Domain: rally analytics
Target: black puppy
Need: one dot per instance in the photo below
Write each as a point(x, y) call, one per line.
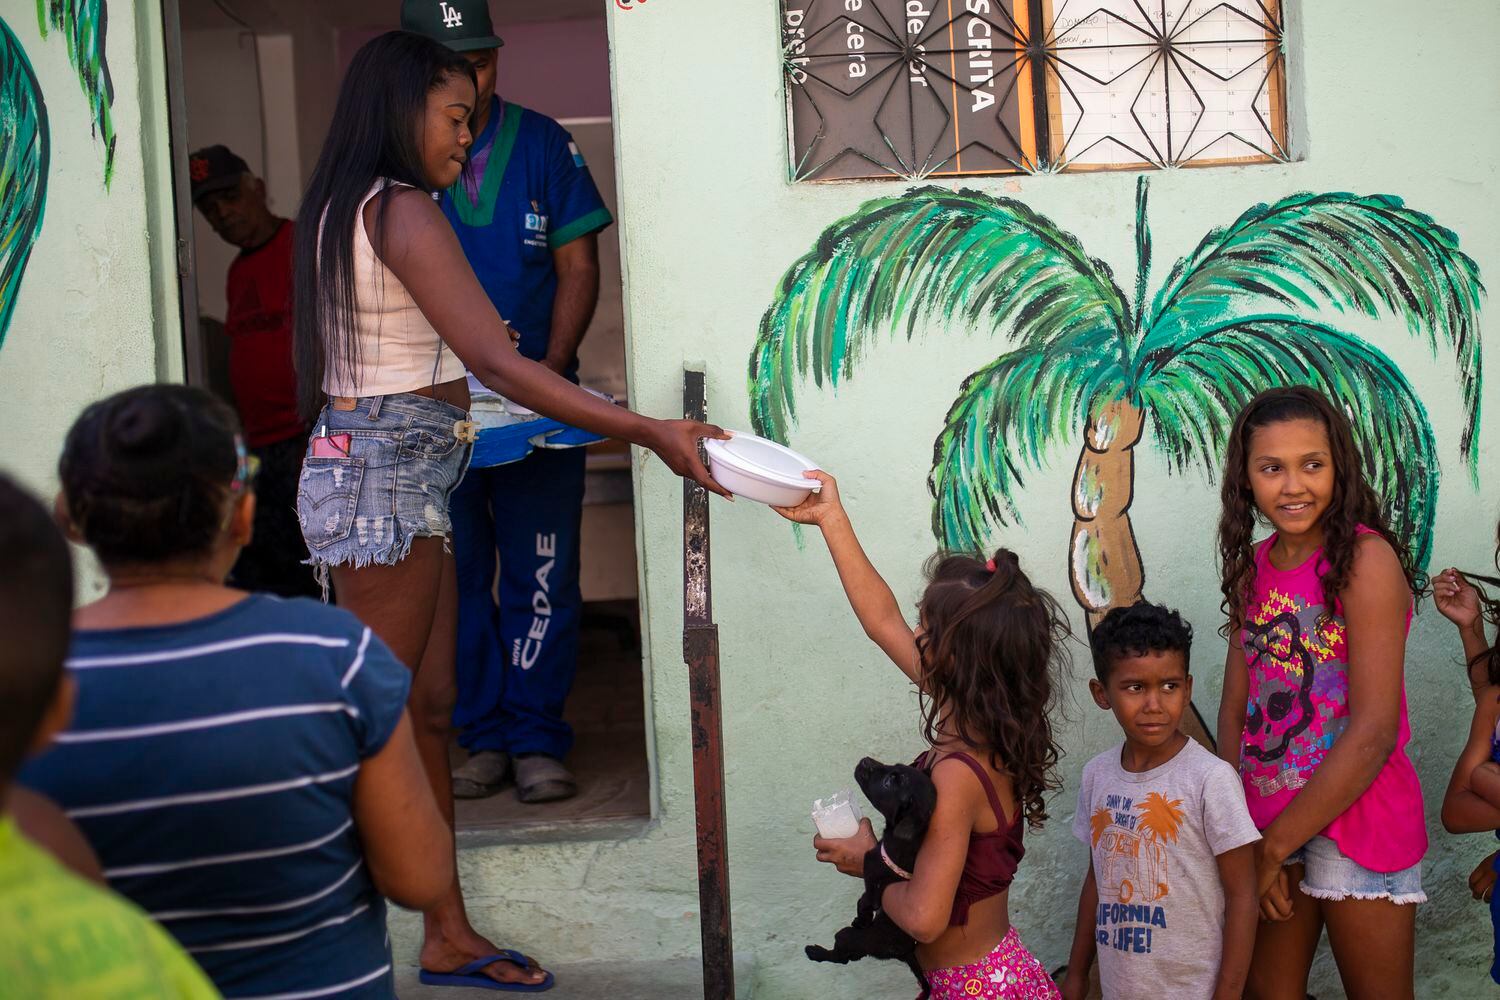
point(906, 797)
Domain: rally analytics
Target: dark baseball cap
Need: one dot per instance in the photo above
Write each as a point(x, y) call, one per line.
point(215, 168)
point(462, 25)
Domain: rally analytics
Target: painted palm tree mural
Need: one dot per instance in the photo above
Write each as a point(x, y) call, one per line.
point(24, 137)
point(1255, 304)
point(24, 158)
point(84, 25)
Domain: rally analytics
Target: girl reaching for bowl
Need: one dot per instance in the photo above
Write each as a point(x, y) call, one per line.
point(982, 656)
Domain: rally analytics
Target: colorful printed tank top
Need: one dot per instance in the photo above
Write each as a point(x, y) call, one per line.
point(1299, 707)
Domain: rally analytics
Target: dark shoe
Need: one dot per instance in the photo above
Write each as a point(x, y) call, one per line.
point(540, 778)
point(482, 775)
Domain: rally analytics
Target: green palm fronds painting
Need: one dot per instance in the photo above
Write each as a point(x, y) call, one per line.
point(23, 168)
point(83, 24)
point(1255, 304)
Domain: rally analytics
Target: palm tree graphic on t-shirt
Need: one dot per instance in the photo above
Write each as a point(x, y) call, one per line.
point(1099, 822)
point(1161, 817)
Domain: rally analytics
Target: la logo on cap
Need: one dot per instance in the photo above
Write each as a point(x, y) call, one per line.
point(451, 17)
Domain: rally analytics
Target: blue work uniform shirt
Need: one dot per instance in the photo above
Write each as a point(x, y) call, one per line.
point(532, 194)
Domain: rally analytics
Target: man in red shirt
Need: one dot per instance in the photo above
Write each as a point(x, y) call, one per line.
point(259, 328)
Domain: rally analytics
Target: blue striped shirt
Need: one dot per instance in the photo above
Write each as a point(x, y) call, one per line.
point(211, 764)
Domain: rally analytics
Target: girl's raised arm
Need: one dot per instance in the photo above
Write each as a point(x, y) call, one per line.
point(871, 597)
point(1458, 601)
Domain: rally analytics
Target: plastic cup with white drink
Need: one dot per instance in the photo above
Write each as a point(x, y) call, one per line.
point(836, 817)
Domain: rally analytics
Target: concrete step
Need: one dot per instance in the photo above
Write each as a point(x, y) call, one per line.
point(677, 979)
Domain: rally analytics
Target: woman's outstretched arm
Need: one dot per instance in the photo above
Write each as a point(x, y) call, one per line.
point(415, 240)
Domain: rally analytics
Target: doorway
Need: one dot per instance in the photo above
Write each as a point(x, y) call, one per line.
point(261, 77)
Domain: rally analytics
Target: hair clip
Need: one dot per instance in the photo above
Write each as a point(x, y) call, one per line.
point(247, 465)
point(990, 565)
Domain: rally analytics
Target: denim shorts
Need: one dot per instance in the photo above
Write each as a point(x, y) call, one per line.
point(1329, 873)
point(405, 459)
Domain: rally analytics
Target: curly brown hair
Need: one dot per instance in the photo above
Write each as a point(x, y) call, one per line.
point(1354, 502)
point(990, 643)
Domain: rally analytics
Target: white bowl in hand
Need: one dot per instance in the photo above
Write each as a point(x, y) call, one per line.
point(761, 470)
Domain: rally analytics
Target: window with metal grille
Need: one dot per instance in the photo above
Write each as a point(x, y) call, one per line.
point(942, 88)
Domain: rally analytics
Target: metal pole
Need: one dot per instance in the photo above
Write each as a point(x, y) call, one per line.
point(700, 648)
point(195, 367)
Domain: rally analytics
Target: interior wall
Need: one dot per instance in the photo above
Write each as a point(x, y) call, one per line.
point(560, 68)
point(225, 102)
point(601, 357)
point(310, 72)
point(314, 37)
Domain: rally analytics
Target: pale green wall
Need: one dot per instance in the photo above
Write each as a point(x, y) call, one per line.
point(97, 309)
point(710, 223)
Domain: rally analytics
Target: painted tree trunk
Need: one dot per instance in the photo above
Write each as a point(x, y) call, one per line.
point(1104, 561)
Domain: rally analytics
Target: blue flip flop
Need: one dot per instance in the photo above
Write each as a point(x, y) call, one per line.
point(469, 975)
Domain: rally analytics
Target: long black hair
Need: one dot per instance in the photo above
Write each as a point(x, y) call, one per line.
point(375, 133)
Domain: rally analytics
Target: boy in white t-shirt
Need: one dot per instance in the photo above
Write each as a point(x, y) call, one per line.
point(1169, 902)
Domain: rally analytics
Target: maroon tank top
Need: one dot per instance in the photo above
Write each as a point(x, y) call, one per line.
point(990, 866)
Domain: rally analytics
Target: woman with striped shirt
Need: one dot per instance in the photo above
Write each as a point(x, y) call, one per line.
point(243, 765)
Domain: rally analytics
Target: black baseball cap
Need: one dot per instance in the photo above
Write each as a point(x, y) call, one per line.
point(462, 25)
point(215, 168)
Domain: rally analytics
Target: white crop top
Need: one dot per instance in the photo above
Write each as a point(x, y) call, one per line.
point(398, 349)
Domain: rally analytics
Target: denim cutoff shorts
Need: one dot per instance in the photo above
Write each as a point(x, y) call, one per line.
point(1329, 873)
point(405, 459)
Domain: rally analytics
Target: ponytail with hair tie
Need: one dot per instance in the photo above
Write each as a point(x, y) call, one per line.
point(1004, 559)
point(145, 473)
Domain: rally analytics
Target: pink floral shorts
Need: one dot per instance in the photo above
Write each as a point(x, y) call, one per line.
point(1010, 972)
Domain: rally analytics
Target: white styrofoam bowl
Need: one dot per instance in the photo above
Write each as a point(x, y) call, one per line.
point(761, 470)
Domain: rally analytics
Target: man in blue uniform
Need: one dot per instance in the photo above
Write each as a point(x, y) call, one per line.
point(528, 216)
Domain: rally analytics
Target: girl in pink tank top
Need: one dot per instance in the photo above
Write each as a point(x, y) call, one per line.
point(1314, 704)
